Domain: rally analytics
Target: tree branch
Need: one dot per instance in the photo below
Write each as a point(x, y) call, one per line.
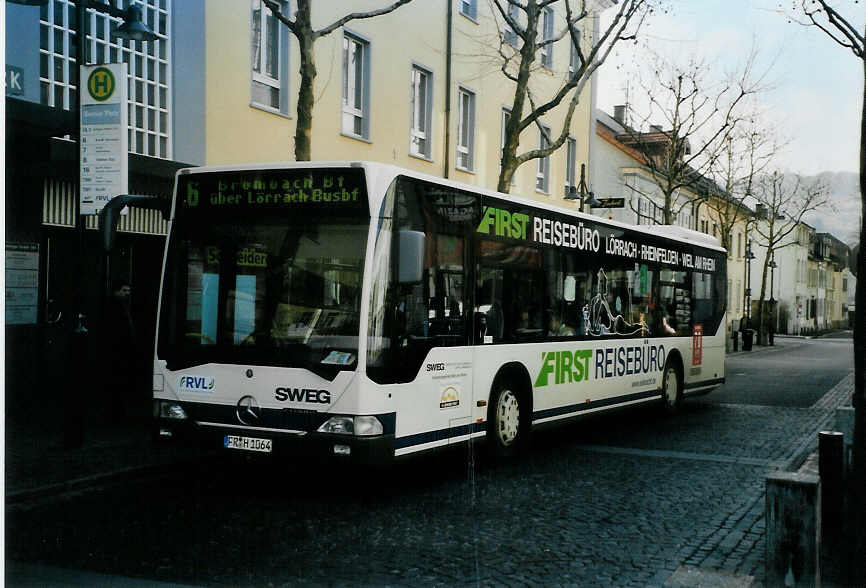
point(358, 16)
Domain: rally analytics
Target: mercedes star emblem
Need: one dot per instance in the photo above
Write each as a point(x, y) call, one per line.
point(248, 411)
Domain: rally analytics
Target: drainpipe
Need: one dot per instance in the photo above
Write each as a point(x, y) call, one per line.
point(448, 54)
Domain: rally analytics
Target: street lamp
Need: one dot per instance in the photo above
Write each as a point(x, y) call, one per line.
point(585, 195)
point(772, 265)
point(748, 297)
point(132, 29)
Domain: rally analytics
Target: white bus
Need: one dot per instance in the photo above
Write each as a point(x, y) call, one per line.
point(366, 312)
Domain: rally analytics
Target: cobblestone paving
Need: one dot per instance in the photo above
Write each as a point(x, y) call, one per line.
point(622, 501)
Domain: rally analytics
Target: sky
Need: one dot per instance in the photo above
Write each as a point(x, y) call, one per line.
point(817, 85)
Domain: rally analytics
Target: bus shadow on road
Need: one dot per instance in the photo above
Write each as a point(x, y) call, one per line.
point(268, 478)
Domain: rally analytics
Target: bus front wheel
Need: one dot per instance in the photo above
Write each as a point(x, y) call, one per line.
point(505, 426)
point(672, 389)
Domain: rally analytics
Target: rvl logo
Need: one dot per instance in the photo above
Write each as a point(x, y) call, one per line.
point(196, 383)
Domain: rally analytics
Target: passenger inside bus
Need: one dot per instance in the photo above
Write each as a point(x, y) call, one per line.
point(557, 327)
point(669, 323)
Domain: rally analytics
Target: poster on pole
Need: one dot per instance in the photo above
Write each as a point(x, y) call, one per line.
point(104, 145)
point(22, 283)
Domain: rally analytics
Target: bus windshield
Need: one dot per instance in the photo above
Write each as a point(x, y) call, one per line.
point(279, 286)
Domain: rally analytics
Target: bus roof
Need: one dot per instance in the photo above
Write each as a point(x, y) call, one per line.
point(387, 172)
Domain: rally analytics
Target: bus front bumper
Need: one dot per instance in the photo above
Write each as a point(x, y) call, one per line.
point(372, 450)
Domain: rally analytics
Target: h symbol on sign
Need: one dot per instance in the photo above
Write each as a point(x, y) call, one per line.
point(101, 83)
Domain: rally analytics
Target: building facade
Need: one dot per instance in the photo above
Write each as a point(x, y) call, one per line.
point(618, 172)
point(389, 89)
point(420, 88)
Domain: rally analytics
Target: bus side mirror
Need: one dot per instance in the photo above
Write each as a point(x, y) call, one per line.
point(109, 216)
point(411, 268)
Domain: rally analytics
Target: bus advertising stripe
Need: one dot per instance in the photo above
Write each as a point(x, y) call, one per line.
point(438, 435)
point(704, 383)
point(584, 406)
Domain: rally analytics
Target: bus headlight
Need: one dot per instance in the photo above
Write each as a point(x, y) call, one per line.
point(362, 426)
point(368, 425)
point(165, 409)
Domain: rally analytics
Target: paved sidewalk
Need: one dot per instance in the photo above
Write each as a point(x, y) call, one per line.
point(37, 464)
point(780, 342)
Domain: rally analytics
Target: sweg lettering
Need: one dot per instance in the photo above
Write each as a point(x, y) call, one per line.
point(302, 395)
point(435, 367)
point(564, 234)
point(614, 362)
point(505, 224)
point(566, 367)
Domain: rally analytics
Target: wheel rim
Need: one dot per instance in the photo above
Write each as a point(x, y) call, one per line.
point(507, 418)
point(672, 384)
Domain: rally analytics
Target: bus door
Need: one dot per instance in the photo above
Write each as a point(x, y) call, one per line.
point(436, 313)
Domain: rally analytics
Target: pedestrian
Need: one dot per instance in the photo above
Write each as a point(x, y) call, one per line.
point(120, 351)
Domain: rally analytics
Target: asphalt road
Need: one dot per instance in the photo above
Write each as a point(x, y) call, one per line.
point(796, 376)
point(626, 500)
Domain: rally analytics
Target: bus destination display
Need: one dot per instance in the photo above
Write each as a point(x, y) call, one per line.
point(261, 191)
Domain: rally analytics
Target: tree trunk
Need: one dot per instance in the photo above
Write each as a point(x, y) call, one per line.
point(304, 123)
point(509, 166)
point(512, 129)
point(669, 205)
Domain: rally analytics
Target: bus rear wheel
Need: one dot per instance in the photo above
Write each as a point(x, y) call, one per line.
point(505, 424)
point(672, 390)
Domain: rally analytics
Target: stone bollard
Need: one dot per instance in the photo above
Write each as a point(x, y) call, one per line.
point(830, 468)
point(845, 424)
point(793, 524)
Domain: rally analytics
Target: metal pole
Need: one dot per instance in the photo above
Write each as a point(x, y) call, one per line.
point(582, 185)
point(748, 284)
point(74, 399)
point(771, 322)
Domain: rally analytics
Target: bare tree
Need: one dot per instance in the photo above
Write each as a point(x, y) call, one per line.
point(743, 156)
point(521, 50)
point(302, 28)
point(839, 28)
point(697, 114)
point(783, 201)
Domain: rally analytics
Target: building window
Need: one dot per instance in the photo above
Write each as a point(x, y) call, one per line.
point(547, 35)
point(506, 116)
point(469, 8)
point(356, 94)
point(465, 129)
point(570, 164)
point(738, 307)
point(739, 245)
point(421, 107)
point(542, 176)
point(510, 35)
point(149, 72)
point(265, 57)
point(573, 62)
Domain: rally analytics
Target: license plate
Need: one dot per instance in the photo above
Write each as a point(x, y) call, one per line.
point(248, 443)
